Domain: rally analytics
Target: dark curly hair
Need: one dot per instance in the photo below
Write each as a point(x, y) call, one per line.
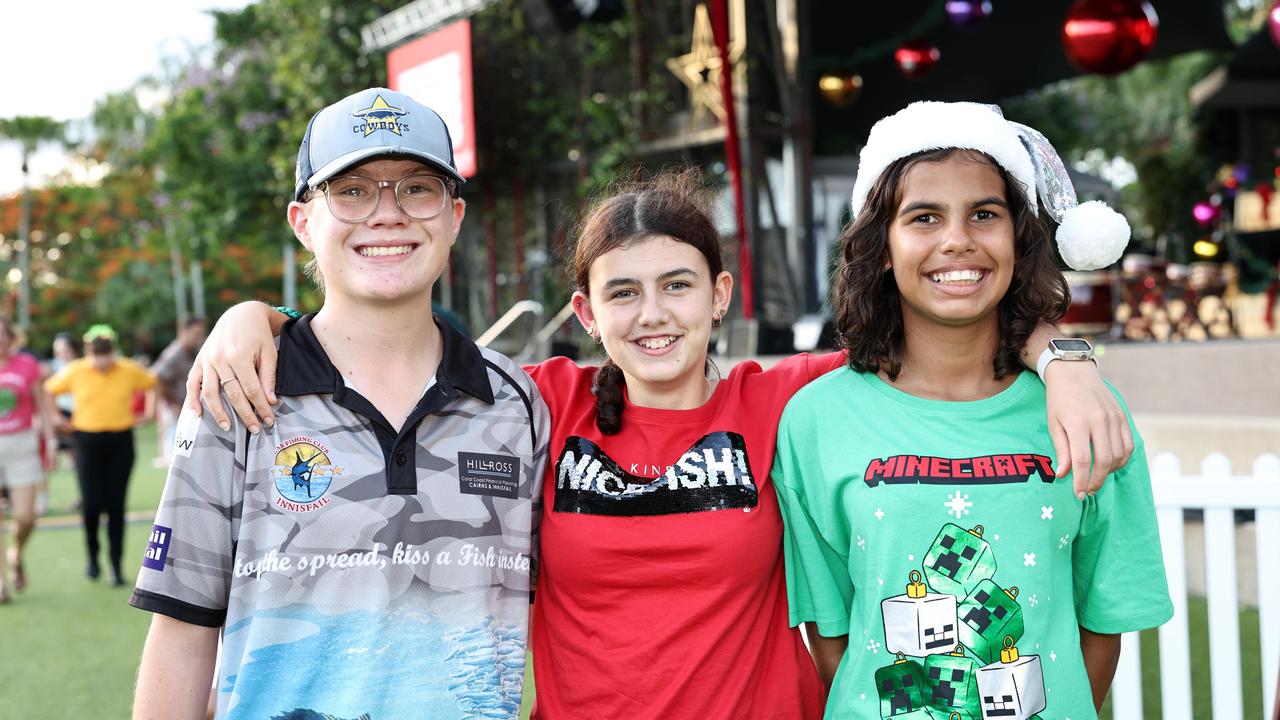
point(671, 204)
point(868, 307)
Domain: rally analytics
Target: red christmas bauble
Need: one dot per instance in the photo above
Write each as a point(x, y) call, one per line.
point(1273, 23)
point(916, 58)
point(1109, 36)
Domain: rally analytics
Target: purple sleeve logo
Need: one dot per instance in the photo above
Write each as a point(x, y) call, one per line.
point(157, 548)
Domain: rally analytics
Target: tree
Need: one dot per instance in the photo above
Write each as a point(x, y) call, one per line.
point(30, 132)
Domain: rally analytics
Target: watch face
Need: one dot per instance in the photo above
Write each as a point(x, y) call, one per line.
point(1071, 345)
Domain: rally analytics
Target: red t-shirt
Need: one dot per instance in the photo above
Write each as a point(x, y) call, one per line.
point(18, 378)
point(661, 592)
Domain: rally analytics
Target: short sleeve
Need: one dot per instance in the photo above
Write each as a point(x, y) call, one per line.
point(188, 563)
point(819, 589)
point(541, 456)
point(1118, 568)
point(143, 380)
point(60, 382)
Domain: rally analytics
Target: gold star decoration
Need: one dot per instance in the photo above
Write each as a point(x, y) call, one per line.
point(700, 69)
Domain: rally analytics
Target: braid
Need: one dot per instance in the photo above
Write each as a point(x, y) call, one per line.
point(607, 387)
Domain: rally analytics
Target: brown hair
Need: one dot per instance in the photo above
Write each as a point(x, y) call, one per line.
point(865, 294)
point(671, 204)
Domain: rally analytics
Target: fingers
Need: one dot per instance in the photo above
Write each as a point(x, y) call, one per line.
point(209, 386)
point(195, 379)
point(247, 396)
point(1104, 455)
point(1081, 459)
point(267, 376)
point(1061, 450)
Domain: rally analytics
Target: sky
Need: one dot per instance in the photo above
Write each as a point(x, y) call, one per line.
point(59, 56)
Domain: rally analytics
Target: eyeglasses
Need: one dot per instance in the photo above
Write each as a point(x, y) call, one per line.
point(355, 199)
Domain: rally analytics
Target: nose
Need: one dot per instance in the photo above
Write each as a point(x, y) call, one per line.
point(388, 211)
point(957, 239)
point(652, 309)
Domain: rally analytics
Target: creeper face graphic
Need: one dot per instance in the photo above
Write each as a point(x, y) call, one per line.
point(901, 687)
point(919, 623)
point(958, 560)
point(987, 616)
point(1012, 689)
point(951, 685)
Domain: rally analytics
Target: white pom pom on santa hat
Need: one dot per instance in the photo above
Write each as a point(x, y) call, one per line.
point(1092, 236)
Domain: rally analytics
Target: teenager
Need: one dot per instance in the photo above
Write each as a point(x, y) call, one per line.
point(945, 567)
point(371, 554)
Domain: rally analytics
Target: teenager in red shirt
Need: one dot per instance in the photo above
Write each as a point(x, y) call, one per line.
point(661, 591)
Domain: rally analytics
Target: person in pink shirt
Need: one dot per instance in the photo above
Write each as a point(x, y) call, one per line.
point(21, 468)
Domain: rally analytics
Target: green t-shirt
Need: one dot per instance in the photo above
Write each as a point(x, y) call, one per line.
point(935, 536)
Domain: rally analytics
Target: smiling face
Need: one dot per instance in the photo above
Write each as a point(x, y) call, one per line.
point(951, 245)
point(651, 303)
point(387, 257)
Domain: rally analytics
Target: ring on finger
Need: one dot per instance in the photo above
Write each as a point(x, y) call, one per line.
point(228, 380)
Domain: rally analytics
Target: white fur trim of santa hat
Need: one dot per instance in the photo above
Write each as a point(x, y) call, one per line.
point(929, 125)
point(1092, 236)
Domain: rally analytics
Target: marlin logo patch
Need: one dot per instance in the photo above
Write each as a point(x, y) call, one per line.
point(380, 116)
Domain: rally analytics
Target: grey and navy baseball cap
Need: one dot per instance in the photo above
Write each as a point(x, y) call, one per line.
point(372, 123)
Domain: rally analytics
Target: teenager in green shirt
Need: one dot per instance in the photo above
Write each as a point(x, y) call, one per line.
point(943, 569)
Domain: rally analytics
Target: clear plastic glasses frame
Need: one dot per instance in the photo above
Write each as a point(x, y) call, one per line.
point(353, 198)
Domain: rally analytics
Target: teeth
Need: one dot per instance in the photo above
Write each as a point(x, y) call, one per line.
point(392, 250)
point(656, 343)
point(961, 277)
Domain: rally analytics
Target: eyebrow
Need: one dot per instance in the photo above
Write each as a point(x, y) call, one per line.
point(623, 281)
point(927, 205)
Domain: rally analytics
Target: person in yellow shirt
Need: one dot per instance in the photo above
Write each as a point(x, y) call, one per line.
point(102, 386)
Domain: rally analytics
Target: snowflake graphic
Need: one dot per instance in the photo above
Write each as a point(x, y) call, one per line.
point(879, 514)
point(1053, 656)
point(1029, 559)
point(1062, 542)
point(862, 544)
point(959, 505)
point(873, 646)
point(880, 580)
point(1034, 600)
point(1046, 512)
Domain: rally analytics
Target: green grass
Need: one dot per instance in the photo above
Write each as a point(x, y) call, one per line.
point(69, 648)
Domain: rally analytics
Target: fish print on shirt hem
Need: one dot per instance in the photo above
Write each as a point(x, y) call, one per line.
point(714, 474)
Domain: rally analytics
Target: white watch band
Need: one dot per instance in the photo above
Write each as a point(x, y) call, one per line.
point(1047, 356)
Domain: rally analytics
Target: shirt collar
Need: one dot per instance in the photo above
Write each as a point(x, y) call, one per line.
point(303, 367)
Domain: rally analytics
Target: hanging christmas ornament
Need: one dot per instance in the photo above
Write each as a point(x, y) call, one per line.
point(916, 58)
point(967, 13)
point(1109, 36)
point(840, 89)
point(1205, 213)
point(1273, 23)
point(1240, 172)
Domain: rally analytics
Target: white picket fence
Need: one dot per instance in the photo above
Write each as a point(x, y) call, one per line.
point(1219, 494)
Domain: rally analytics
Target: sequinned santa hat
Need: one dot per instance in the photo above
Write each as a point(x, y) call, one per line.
point(1090, 235)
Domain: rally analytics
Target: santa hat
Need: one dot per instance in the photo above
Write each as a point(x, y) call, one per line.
point(1090, 235)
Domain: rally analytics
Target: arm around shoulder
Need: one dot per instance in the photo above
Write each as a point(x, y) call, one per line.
point(176, 671)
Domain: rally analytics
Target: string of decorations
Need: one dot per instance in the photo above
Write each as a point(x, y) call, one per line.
point(1098, 36)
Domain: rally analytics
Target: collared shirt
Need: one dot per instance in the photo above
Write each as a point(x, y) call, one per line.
point(103, 399)
point(358, 569)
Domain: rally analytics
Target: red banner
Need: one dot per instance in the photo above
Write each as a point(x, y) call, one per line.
point(436, 70)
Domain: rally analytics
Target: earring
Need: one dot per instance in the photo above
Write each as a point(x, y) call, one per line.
point(591, 329)
point(717, 319)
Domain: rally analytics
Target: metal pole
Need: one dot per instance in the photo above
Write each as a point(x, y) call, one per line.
point(179, 277)
point(24, 252)
point(197, 287)
point(797, 150)
point(733, 156)
point(290, 274)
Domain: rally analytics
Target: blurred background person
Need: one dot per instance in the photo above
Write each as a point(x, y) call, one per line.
point(65, 350)
point(103, 387)
point(21, 471)
point(171, 370)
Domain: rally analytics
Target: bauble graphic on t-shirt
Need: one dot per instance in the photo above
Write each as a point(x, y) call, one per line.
point(955, 631)
point(714, 474)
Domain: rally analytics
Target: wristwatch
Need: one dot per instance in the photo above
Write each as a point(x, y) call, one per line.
point(1073, 349)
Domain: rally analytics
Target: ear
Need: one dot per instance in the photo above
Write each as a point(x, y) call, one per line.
point(459, 212)
point(300, 221)
point(722, 292)
point(582, 308)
